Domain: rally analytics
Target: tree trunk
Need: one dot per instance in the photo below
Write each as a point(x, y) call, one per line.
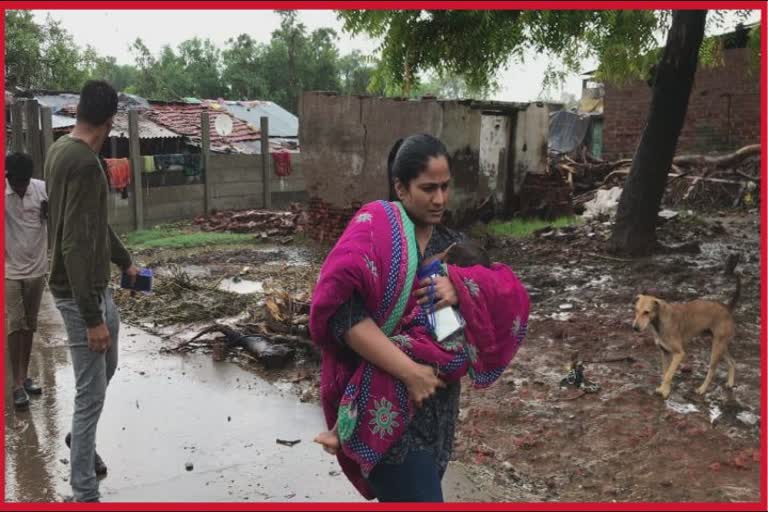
point(635, 230)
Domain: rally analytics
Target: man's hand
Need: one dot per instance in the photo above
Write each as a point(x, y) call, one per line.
point(98, 338)
point(132, 272)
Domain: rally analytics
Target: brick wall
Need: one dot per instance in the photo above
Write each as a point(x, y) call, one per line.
point(708, 125)
point(326, 223)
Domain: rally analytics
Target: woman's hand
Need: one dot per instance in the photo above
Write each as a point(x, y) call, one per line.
point(422, 382)
point(445, 293)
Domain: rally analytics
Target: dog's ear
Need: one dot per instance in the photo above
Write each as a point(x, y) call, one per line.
point(656, 304)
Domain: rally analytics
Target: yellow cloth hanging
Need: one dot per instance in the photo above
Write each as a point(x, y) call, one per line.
point(149, 163)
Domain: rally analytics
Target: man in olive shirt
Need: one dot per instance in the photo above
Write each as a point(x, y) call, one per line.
point(83, 244)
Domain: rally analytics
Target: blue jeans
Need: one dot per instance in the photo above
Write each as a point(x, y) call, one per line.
point(93, 371)
point(417, 479)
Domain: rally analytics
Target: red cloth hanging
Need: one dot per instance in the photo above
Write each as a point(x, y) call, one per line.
point(282, 162)
point(119, 170)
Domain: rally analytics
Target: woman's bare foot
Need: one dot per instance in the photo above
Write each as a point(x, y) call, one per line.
point(329, 441)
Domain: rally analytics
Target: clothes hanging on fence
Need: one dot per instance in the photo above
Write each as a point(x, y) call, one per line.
point(189, 163)
point(149, 163)
point(119, 170)
point(192, 164)
point(282, 163)
point(170, 162)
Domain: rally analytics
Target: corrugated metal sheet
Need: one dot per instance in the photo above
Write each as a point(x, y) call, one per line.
point(281, 122)
point(68, 101)
point(58, 101)
point(147, 129)
point(62, 122)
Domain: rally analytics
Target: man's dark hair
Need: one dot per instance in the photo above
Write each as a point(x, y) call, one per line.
point(467, 254)
point(98, 102)
point(19, 166)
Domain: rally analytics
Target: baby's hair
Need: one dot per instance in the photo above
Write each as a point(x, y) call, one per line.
point(467, 254)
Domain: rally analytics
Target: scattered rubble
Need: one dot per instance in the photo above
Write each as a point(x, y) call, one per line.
point(701, 181)
point(266, 223)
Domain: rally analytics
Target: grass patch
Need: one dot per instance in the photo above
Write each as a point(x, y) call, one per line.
point(519, 228)
point(177, 238)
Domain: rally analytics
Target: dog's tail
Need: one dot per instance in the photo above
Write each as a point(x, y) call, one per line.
point(736, 294)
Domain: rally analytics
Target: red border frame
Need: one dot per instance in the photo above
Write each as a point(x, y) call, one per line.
point(461, 4)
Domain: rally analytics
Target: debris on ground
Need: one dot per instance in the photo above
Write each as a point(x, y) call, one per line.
point(266, 223)
point(575, 378)
point(288, 443)
point(702, 181)
point(270, 352)
point(582, 301)
point(180, 298)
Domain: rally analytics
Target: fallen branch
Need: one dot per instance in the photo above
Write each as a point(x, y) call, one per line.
point(719, 161)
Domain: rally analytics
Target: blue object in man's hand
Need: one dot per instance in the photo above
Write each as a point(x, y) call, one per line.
point(143, 281)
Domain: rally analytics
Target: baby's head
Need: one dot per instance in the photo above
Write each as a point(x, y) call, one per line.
point(467, 254)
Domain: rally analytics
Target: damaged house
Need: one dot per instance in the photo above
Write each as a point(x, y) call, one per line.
point(498, 152)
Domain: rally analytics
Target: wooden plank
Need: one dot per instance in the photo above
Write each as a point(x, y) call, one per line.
point(205, 131)
point(46, 120)
point(266, 167)
point(17, 126)
point(134, 153)
point(34, 144)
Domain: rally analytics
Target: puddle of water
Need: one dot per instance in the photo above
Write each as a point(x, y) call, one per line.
point(241, 286)
point(175, 428)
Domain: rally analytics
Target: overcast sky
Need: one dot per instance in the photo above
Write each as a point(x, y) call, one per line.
point(112, 31)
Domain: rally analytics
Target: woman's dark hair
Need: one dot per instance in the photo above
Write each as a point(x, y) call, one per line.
point(19, 166)
point(409, 157)
point(98, 102)
point(467, 254)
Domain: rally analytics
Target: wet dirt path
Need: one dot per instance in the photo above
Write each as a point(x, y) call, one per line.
point(164, 411)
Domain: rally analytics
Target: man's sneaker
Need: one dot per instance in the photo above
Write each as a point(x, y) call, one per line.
point(32, 388)
point(20, 398)
point(99, 466)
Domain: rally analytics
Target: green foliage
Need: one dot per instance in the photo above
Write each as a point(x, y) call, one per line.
point(296, 59)
point(178, 238)
point(519, 228)
point(474, 45)
point(755, 46)
point(43, 56)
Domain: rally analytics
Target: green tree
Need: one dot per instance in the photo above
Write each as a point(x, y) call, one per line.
point(295, 60)
point(200, 61)
point(475, 44)
point(42, 56)
point(243, 61)
point(356, 73)
point(122, 77)
point(452, 87)
point(147, 81)
point(22, 49)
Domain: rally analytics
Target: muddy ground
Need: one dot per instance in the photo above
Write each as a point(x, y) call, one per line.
point(528, 438)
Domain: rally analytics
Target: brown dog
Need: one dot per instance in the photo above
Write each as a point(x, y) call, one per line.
point(673, 325)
